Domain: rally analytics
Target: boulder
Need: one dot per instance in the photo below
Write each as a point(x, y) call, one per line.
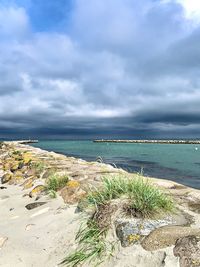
point(30, 172)
point(194, 206)
point(14, 165)
point(72, 193)
point(27, 158)
point(129, 231)
point(6, 166)
point(166, 236)
point(6, 177)
point(28, 183)
point(188, 250)
point(37, 190)
point(17, 177)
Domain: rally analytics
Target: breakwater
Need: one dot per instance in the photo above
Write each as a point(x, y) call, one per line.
point(29, 141)
point(150, 141)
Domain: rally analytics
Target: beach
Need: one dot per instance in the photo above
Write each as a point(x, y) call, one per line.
point(44, 235)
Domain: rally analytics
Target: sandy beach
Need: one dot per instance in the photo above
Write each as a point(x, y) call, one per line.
point(44, 235)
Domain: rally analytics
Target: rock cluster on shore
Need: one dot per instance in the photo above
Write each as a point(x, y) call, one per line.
point(173, 240)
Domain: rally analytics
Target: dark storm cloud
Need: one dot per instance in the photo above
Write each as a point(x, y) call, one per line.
point(106, 67)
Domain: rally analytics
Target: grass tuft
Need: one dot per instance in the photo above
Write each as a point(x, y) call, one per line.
point(56, 182)
point(39, 166)
point(144, 200)
point(148, 201)
point(92, 246)
point(52, 193)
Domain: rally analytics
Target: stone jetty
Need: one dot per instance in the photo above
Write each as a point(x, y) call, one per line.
point(149, 141)
point(37, 230)
point(29, 141)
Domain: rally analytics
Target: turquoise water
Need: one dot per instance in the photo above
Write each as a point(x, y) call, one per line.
point(180, 163)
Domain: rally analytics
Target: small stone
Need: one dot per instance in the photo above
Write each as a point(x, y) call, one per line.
point(37, 198)
point(3, 187)
point(34, 205)
point(2, 241)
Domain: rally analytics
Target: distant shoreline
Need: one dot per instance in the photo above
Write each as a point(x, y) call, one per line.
point(150, 141)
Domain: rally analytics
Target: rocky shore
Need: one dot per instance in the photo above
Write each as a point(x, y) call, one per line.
point(38, 230)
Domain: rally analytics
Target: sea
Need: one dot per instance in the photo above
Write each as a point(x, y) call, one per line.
point(177, 162)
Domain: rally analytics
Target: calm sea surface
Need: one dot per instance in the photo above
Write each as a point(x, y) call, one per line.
point(180, 163)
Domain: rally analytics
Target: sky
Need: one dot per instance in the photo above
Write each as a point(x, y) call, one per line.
point(100, 68)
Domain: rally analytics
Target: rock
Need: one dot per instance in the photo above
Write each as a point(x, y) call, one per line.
point(188, 250)
point(17, 155)
point(73, 184)
point(31, 172)
point(194, 206)
point(6, 177)
point(28, 183)
point(166, 236)
point(6, 166)
point(37, 190)
point(2, 241)
point(17, 177)
point(34, 205)
point(72, 193)
point(129, 231)
point(3, 187)
point(46, 174)
point(14, 165)
point(27, 158)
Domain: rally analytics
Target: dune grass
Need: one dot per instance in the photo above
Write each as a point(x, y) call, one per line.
point(39, 166)
point(55, 183)
point(93, 247)
point(145, 198)
point(144, 201)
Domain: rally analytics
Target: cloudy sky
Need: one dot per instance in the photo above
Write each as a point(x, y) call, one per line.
point(100, 68)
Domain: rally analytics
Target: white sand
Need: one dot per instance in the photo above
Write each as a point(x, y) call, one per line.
point(38, 237)
point(43, 236)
